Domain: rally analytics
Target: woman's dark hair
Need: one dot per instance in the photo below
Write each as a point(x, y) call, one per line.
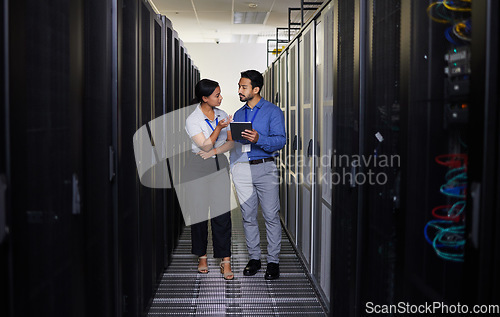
point(255, 77)
point(204, 88)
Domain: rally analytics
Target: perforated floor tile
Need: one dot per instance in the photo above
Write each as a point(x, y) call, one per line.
point(185, 292)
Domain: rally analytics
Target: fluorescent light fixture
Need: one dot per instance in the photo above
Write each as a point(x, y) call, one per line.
point(249, 17)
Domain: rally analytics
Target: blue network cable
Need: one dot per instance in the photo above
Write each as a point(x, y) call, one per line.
point(449, 238)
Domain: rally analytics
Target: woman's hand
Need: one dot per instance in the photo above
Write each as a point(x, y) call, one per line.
point(206, 155)
point(225, 122)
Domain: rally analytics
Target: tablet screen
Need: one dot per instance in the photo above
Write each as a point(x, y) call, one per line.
point(238, 127)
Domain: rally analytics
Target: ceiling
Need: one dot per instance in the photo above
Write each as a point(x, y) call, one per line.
point(213, 21)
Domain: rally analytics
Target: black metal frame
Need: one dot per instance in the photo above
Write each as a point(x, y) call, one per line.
point(269, 51)
point(315, 6)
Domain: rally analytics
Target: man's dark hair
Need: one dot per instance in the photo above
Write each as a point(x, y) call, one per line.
point(255, 77)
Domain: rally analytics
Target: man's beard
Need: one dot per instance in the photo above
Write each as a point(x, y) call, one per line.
point(245, 98)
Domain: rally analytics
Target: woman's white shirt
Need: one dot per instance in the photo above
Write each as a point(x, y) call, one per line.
point(196, 123)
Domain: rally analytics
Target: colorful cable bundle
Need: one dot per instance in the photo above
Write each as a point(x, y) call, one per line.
point(456, 13)
point(448, 231)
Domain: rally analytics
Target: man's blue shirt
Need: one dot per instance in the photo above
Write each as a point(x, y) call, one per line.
point(269, 123)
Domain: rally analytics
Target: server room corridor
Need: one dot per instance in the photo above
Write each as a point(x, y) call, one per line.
point(374, 147)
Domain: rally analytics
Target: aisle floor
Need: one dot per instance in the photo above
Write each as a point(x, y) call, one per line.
point(185, 292)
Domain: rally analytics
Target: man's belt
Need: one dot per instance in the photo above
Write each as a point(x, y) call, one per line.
point(267, 159)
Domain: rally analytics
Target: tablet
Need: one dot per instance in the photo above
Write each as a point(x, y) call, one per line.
point(238, 127)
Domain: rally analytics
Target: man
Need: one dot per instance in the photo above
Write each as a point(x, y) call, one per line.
point(254, 171)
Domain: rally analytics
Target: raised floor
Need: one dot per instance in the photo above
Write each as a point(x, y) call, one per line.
point(185, 292)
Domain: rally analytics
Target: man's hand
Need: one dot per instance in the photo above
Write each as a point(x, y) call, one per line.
point(250, 135)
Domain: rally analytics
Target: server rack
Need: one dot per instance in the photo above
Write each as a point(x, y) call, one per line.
point(302, 78)
point(169, 89)
point(345, 144)
point(176, 163)
point(456, 119)
point(189, 81)
point(264, 75)
point(100, 144)
point(274, 83)
point(265, 90)
point(296, 144)
point(158, 111)
point(390, 95)
point(166, 40)
point(46, 156)
point(306, 121)
point(85, 238)
point(182, 105)
point(282, 101)
point(482, 256)
point(128, 185)
point(269, 85)
point(197, 75)
point(379, 140)
point(145, 115)
point(5, 221)
point(426, 275)
point(322, 230)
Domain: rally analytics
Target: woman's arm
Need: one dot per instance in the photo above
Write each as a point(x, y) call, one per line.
point(221, 149)
point(202, 143)
point(207, 144)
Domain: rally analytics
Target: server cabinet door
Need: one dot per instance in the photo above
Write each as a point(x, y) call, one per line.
point(482, 257)
point(46, 79)
point(182, 110)
point(323, 203)
point(146, 194)
point(178, 125)
point(128, 184)
point(189, 83)
point(158, 111)
point(267, 84)
point(293, 134)
point(344, 165)
point(380, 117)
point(264, 89)
point(432, 272)
point(275, 83)
point(306, 153)
point(282, 103)
point(176, 162)
point(169, 125)
point(5, 216)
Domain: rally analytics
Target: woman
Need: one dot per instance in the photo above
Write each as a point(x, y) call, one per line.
point(208, 128)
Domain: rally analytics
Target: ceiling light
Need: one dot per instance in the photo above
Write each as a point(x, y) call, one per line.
point(249, 17)
point(253, 5)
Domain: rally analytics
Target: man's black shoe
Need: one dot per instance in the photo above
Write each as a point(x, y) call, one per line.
point(273, 271)
point(252, 267)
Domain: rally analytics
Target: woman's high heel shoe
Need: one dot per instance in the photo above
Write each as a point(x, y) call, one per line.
point(202, 269)
point(227, 275)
